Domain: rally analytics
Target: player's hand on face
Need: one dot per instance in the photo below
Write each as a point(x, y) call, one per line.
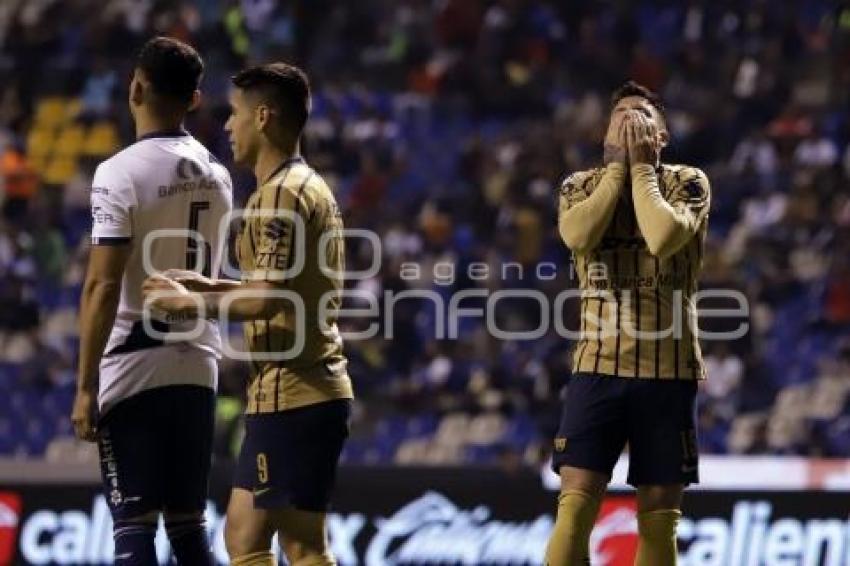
point(83, 416)
point(615, 142)
point(641, 139)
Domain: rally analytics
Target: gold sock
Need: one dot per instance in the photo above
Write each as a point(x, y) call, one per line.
point(255, 559)
point(325, 559)
point(568, 543)
point(657, 540)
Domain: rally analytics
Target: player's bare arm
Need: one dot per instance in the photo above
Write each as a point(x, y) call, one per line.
point(194, 281)
point(98, 305)
point(665, 226)
point(172, 297)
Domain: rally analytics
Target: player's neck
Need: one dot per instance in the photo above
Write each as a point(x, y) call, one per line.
point(147, 125)
point(270, 159)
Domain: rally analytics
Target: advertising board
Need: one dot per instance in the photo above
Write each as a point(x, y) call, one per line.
point(459, 516)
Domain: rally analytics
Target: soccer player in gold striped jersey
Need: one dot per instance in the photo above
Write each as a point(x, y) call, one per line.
point(636, 227)
point(290, 243)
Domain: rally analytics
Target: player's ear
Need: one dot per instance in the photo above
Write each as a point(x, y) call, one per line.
point(196, 101)
point(261, 117)
point(137, 91)
point(663, 138)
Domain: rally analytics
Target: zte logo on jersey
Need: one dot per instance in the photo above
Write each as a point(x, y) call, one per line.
point(99, 216)
point(615, 536)
point(10, 513)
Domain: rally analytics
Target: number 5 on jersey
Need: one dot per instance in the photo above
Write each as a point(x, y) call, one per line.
point(192, 244)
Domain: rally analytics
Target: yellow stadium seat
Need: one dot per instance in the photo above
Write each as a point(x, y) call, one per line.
point(40, 142)
point(73, 109)
point(38, 163)
point(60, 170)
point(51, 112)
point(70, 141)
point(102, 140)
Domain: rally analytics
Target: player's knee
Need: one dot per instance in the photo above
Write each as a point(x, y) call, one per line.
point(149, 518)
point(178, 524)
point(242, 538)
point(659, 497)
point(586, 481)
point(233, 539)
point(140, 525)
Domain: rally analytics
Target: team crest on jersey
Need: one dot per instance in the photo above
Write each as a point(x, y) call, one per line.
point(693, 193)
point(276, 229)
point(560, 444)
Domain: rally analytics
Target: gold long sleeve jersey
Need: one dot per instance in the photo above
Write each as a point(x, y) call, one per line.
point(637, 239)
point(295, 199)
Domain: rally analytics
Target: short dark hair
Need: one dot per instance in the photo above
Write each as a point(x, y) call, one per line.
point(282, 85)
point(632, 88)
point(173, 68)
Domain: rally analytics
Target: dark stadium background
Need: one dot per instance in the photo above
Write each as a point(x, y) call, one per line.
point(445, 126)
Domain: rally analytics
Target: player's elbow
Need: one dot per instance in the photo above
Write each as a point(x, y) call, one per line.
point(578, 241)
point(666, 243)
point(101, 287)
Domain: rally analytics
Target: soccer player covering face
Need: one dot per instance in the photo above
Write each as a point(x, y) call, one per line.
point(636, 227)
point(298, 403)
point(154, 392)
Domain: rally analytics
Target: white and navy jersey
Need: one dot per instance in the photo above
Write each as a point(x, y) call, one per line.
point(168, 198)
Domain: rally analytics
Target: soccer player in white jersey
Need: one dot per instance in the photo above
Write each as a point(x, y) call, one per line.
point(147, 397)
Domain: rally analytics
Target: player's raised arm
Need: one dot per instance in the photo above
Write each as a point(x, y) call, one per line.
point(582, 220)
point(666, 226)
point(584, 210)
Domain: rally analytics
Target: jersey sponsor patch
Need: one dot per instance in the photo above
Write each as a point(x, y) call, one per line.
point(188, 168)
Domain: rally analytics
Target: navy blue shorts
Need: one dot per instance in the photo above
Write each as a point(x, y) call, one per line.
point(155, 451)
point(289, 458)
point(657, 419)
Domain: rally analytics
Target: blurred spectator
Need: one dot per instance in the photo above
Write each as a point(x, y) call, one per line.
point(724, 372)
point(97, 91)
point(19, 184)
point(816, 151)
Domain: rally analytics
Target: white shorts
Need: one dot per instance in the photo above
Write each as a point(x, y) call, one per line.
point(124, 375)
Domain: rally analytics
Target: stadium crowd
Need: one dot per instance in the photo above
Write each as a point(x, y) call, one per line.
point(445, 127)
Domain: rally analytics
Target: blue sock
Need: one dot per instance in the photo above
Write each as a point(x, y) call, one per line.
point(134, 543)
point(189, 542)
